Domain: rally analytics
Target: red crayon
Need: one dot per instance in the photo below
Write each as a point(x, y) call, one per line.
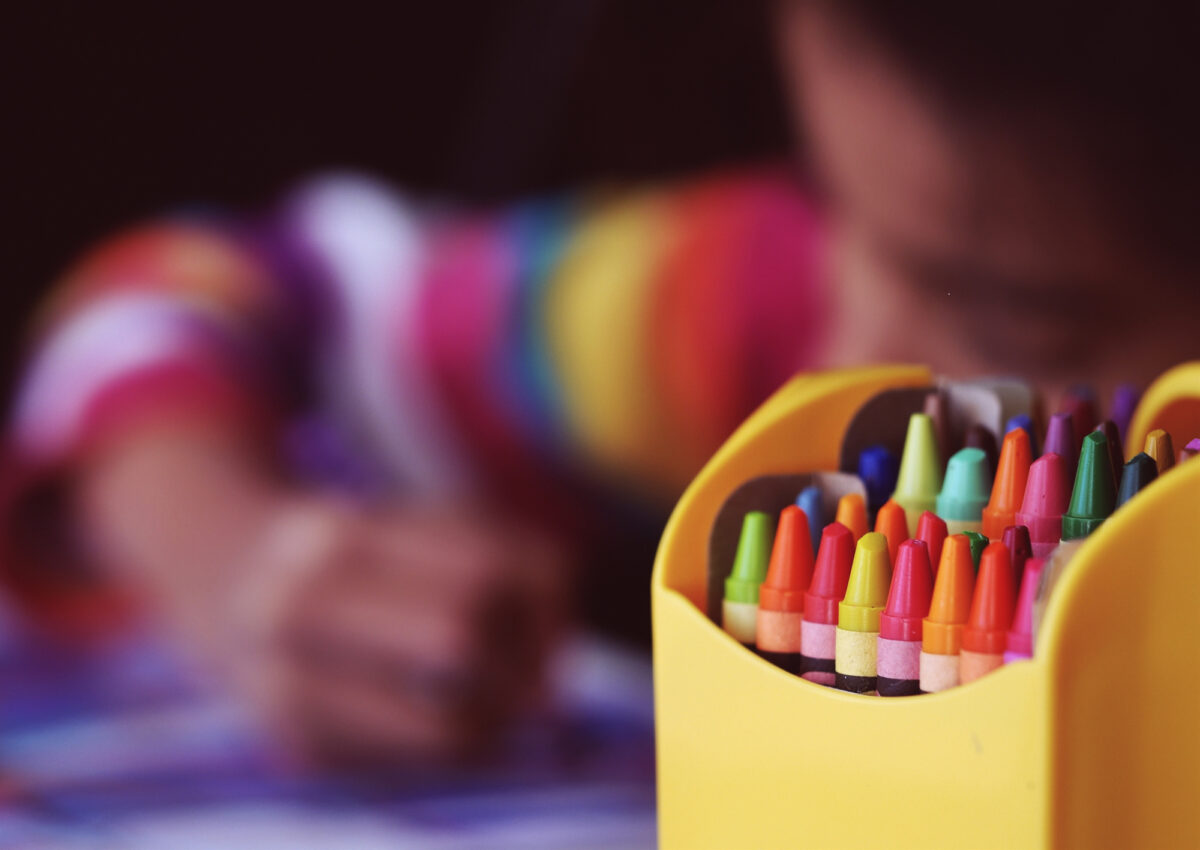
point(985, 636)
point(781, 595)
point(898, 662)
point(1020, 636)
point(818, 629)
point(932, 529)
point(1047, 495)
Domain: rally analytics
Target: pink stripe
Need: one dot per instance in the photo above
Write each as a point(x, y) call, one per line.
point(899, 659)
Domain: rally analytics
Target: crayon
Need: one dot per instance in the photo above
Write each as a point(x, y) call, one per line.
point(941, 634)
point(1116, 455)
point(1009, 486)
point(781, 596)
point(898, 669)
point(1025, 422)
point(964, 491)
point(1158, 446)
point(856, 643)
point(932, 529)
point(852, 513)
point(1125, 402)
point(1080, 404)
point(985, 635)
point(1046, 499)
point(892, 524)
point(937, 408)
point(979, 437)
point(1019, 644)
point(878, 468)
point(828, 586)
point(1136, 474)
point(920, 476)
point(1094, 496)
point(809, 501)
point(739, 610)
point(1060, 440)
point(1190, 450)
point(979, 542)
point(1020, 550)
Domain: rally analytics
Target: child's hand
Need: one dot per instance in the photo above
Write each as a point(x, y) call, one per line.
point(400, 634)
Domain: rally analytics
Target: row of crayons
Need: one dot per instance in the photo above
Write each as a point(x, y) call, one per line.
point(943, 590)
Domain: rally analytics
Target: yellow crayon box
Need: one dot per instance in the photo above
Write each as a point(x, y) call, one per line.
point(1095, 742)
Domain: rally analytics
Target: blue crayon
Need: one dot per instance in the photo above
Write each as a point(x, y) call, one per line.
point(809, 501)
point(1025, 422)
point(878, 468)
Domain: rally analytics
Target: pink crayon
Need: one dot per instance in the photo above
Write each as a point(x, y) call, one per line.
point(899, 654)
point(1047, 494)
point(1020, 636)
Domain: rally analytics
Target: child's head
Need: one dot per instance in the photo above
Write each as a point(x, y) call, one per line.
point(1013, 186)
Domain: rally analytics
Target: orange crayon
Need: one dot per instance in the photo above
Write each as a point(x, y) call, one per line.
point(941, 632)
point(852, 513)
point(1008, 488)
point(781, 595)
point(985, 636)
point(892, 523)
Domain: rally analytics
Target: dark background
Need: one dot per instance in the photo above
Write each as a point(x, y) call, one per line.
point(113, 115)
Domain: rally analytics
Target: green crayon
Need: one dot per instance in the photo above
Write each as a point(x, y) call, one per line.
point(739, 610)
point(1094, 496)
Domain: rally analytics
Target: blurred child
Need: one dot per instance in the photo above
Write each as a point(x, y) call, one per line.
point(350, 448)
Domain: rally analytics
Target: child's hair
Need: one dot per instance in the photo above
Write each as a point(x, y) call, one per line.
point(1114, 83)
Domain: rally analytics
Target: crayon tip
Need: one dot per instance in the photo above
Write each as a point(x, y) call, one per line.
point(979, 542)
point(1190, 450)
point(892, 523)
point(951, 602)
point(1009, 487)
point(1046, 499)
point(750, 562)
point(1125, 402)
point(1080, 405)
point(830, 575)
point(809, 501)
point(1020, 635)
point(867, 589)
point(980, 437)
point(1025, 422)
point(992, 604)
point(1060, 440)
point(852, 513)
point(1136, 474)
point(920, 476)
point(791, 565)
point(909, 595)
point(965, 491)
point(1094, 496)
point(931, 528)
point(878, 468)
point(1115, 455)
point(1020, 549)
point(1158, 446)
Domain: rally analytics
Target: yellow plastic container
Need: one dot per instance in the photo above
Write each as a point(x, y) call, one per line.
point(1093, 743)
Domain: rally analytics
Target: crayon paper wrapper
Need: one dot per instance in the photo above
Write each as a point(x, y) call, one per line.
point(938, 672)
point(856, 653)
point(899, 659)
point(740, 619)
point(972, 665)
point(817, 640)
point(778, 631)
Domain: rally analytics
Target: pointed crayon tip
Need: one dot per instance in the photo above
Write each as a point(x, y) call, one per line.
point(1047, 495)
point(910, 593)
point(867, 589)
point(1136, 474)
point(931, 528)
point(791, 565)
point(920, 476)
point(750, 562)
point(951, 602)
point(809, 501)
point(892, 523)
point(992, 604)
point(852, 513)
point(1025, 422)
point(1060, 440)
point(830, 575)
point(1080, 405)
point(1009, 487)
point(979, 542)
point(980, 437)
point(1190, 450)
point(1020, 549)
point(1125, 402)
point(965, 491)
point(1116, 456)
point(878, 468)
point(1094, 496)
point(1158, 446)
point(1020, 635)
